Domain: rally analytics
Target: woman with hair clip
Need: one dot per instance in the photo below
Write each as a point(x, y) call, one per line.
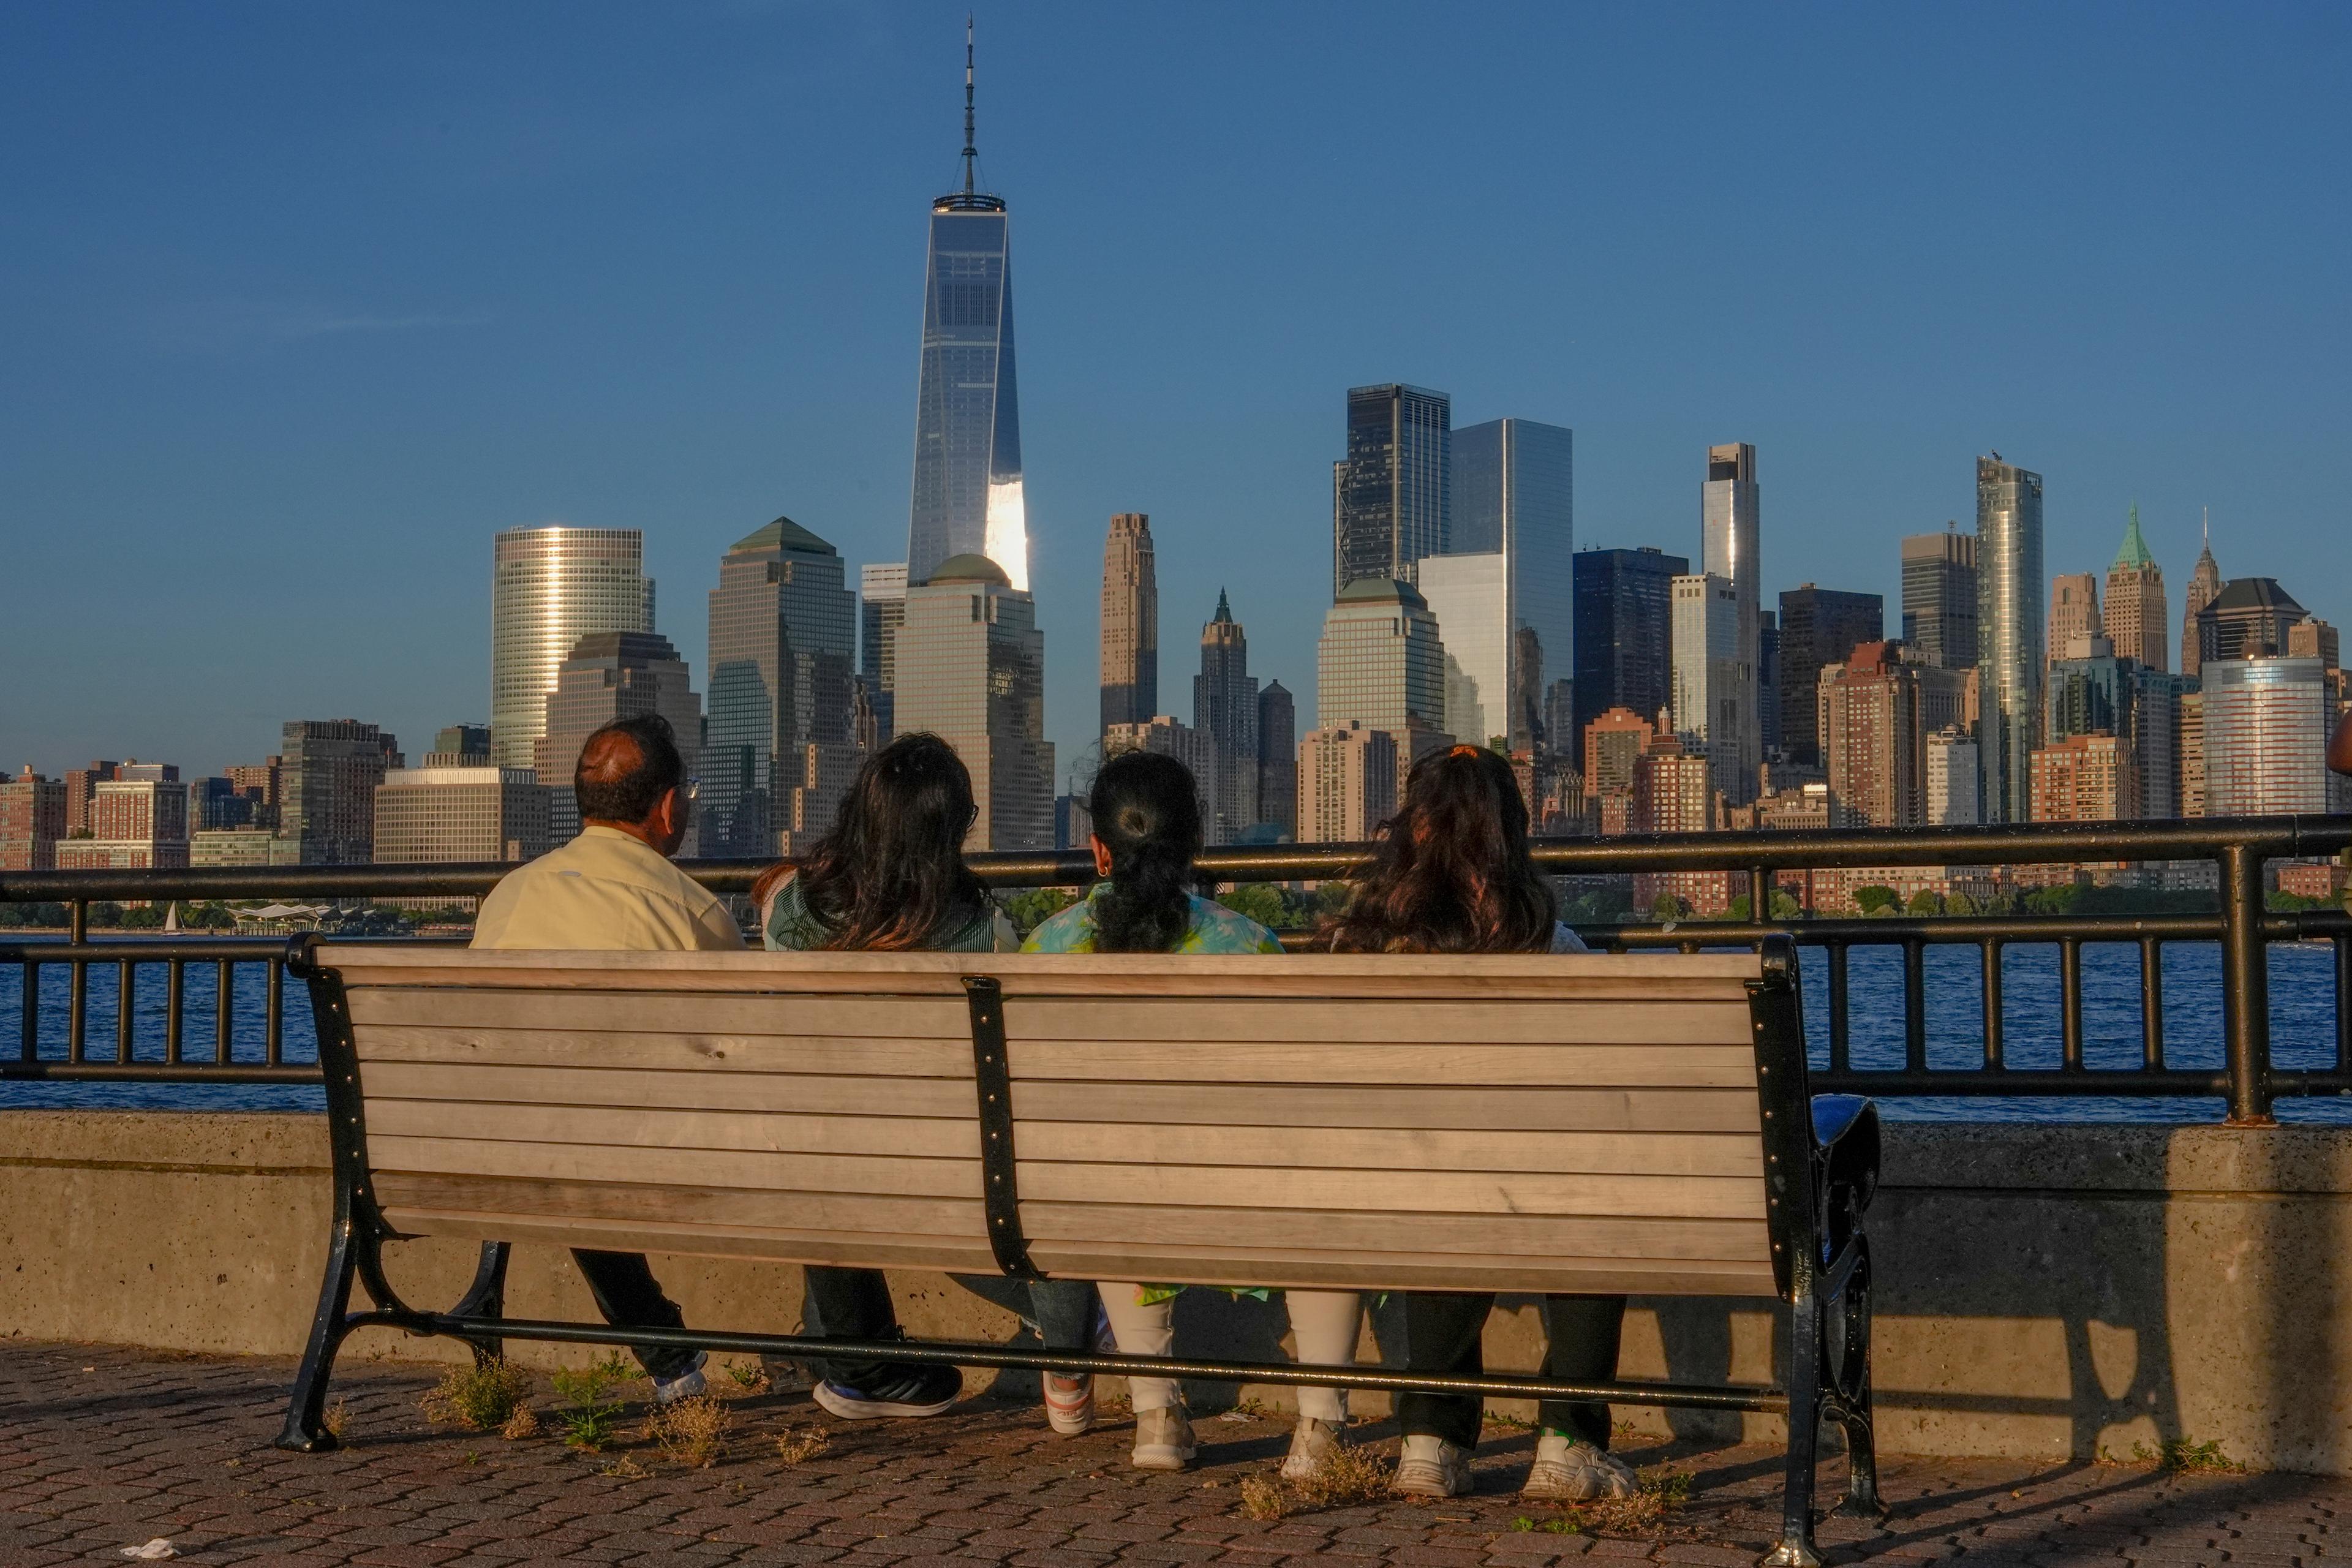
point(890, 877)
point(1453, 874)
point(1147, 829)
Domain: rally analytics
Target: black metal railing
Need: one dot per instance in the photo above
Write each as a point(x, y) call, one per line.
point(2241, 926)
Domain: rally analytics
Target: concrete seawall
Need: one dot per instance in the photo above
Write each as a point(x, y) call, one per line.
point(2044, 1291)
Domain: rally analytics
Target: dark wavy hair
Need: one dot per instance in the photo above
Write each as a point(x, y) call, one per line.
point(1147, 812)
point(1452, 872)
point(890, 875)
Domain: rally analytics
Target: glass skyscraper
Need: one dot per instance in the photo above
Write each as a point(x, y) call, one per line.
point(1729, 508)
point(1625, 632)
point(2009, 635)
point(1390, 497)
point(967, 497)
point(1514, 501)
point(549, 588)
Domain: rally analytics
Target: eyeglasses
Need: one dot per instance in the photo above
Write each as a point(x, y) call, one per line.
point(688, 790)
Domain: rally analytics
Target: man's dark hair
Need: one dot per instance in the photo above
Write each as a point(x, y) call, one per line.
point(625, 769)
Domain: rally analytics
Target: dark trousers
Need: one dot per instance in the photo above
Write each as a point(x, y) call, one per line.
point(630, 1297)
point(1441, 1334)
point(855, 1304)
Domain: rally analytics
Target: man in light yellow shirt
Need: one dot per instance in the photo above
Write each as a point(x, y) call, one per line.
point(614, 888)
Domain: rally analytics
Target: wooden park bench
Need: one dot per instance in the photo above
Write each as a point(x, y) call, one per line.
point(1584, 1124)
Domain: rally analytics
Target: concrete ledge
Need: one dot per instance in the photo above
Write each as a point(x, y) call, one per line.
point(2045, 1291)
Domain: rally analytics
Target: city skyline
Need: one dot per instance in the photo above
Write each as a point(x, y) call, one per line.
point(1856, 482)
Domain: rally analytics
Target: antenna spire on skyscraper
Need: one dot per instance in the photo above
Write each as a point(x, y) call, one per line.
point(969, 151)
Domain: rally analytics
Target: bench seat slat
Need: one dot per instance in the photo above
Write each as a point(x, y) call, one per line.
point(1342, 1105)
point(684, 1050)
point(1172, 1105)
point(779, 1131)
point(654, 1207)
point(1211, 1231)
point(1568, 1021)
point(491, 1007)
point(827, 1095)
point(1407, 1271)
point(1240, 1190)
point(856, 1248)
point(1348, 1061)
point(892, 1176)
point(1146, 1143)
point(1663, 1154)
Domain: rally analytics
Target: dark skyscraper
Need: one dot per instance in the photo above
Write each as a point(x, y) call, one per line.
point(1224, 708)
point(967, 496)
point(1817, 626)
point(2249, 618)
point(1278, 758)
point(1390, 498)
point(781, 630)
point(1768, 680)
point(1624, 624)
point(1939, 598)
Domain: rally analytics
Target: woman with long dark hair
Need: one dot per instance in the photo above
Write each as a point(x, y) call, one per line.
point(1454, 874)
point(1147, 829)
point(890, 877)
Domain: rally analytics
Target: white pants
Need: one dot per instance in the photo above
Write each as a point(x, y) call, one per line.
point(1323, 1324)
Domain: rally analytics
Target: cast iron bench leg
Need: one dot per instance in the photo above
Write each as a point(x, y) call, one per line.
point(486, 1298)
point(305, 1431)
point(1861, 1499)
point(1806, 1326)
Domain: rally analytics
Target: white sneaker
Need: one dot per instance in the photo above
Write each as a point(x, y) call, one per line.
point(1432, 1466)
point(687, 1384)
point(1163, 1439)
point(1572, 1470)
point(1069, 1403)
point(1312, 1441)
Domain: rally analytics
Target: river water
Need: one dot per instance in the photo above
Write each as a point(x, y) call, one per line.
point(2303, 1027)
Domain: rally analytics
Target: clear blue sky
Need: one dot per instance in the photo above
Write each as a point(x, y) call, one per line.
point(299, 305)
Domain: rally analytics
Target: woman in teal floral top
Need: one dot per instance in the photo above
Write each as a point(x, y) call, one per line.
point(1147, 817)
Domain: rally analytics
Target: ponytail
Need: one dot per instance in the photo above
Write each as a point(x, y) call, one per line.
point(1147, 812)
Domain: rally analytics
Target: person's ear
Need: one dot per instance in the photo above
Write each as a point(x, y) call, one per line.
point(1102, 854)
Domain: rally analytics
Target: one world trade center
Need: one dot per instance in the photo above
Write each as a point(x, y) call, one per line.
point(967, 497)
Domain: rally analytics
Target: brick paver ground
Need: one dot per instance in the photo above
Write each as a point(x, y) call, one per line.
point(102, 1449)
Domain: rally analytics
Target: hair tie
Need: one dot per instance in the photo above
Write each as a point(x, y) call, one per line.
point(1462, 751)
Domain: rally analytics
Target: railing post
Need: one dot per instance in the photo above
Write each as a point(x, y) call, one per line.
point(2246, 987)
point(77, 998)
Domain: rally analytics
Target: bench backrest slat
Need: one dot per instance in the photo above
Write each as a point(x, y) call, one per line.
point(1556, 1124)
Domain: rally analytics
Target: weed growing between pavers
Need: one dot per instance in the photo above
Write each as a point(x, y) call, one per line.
point(334, 1417)
point(799, 1447)
point(1346, 1478)
point(520, 1425)
point(1656, 1499)
point(2178, 1455)
point(692, 1432)
point(591, 1415)
point(748, 1377)
point(477, 1398)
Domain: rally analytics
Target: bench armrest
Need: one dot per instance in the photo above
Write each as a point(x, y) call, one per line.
point(1845, 1165)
